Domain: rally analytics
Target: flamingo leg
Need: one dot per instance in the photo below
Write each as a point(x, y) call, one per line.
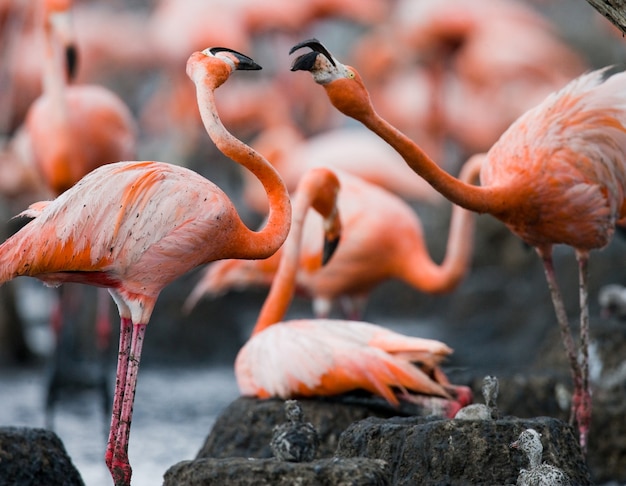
point(126, 329)
point(120, 467)
point(566, 335)
point(582, 401)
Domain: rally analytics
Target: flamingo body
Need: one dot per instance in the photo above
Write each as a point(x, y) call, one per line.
point(324, 357)
point(98, 128)
point(564, 167)
point(148, 213)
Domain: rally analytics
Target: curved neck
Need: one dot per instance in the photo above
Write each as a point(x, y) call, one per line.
point(422, 272)
point(474, 198)
point(253, 244)
point(461, 236)
point(318, 190)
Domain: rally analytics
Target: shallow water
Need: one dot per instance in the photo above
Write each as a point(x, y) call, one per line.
point(175, 409)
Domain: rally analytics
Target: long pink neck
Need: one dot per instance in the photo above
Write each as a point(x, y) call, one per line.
point(426, 275)
point(54, 71)
point(475, 198)
point(252, 244)
point(283, 286)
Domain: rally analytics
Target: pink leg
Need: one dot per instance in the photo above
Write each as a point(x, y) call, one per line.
point(120, 467)
point(566, 334)
point(582, 399)
point(126, 330)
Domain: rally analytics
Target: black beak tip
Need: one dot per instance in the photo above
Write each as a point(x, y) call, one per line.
point(71, 58)
point(305, 62)
point(316, 46)
point(330, 245)
point(245, 63)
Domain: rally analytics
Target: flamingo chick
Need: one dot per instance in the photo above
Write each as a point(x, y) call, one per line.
point(538, 474)
point(295, 440)
point(134, 227)
point(313, 357)
point(612, 300)
point(556, 176)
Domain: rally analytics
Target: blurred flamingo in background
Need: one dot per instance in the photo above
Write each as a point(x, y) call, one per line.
point(71, 129)
point(382, 239)
point(74, 128)
point(451, 71)
point(134, 227)
point(556, 176)
point(321, 357)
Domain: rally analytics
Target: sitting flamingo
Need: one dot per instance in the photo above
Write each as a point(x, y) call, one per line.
point(311, 357)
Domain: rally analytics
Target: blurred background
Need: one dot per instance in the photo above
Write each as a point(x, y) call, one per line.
point(451, 74)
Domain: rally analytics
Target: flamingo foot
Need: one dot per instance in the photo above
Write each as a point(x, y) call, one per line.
point(581, 402)
point(121, 472)
point(433, 405)
point(463, 394)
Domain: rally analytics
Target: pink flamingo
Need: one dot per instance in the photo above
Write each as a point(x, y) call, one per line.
point(556, 176)
point(313, 357)
point(134, 227)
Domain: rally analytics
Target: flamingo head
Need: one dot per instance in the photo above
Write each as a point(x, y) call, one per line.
point(217, 64)
point(342, 83)
point(58, 22)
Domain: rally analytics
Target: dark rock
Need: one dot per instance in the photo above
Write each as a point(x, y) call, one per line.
point(245, 427)
point(35, 457)
point(426, 451)
point(238, 471)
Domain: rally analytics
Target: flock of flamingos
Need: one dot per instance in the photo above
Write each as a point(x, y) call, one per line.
point(547, 157)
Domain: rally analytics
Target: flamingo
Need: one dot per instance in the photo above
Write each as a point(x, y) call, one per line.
point(382, 239)
point(134, 227)
point(321, 357)
point(556, 176)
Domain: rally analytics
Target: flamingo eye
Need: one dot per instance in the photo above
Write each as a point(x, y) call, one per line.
point(351, 74)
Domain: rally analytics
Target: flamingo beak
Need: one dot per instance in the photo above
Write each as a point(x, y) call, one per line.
point(61, 22)
point(330, 245)
point(71, 59)
point(244, 63)
point(306, 62)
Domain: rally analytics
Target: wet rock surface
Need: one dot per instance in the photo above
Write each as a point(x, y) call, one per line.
point(35, 457)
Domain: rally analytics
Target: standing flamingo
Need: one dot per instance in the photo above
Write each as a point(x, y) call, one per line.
point(382, 239)
point(556, 176)
point(313, 357)
point(134, 227)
